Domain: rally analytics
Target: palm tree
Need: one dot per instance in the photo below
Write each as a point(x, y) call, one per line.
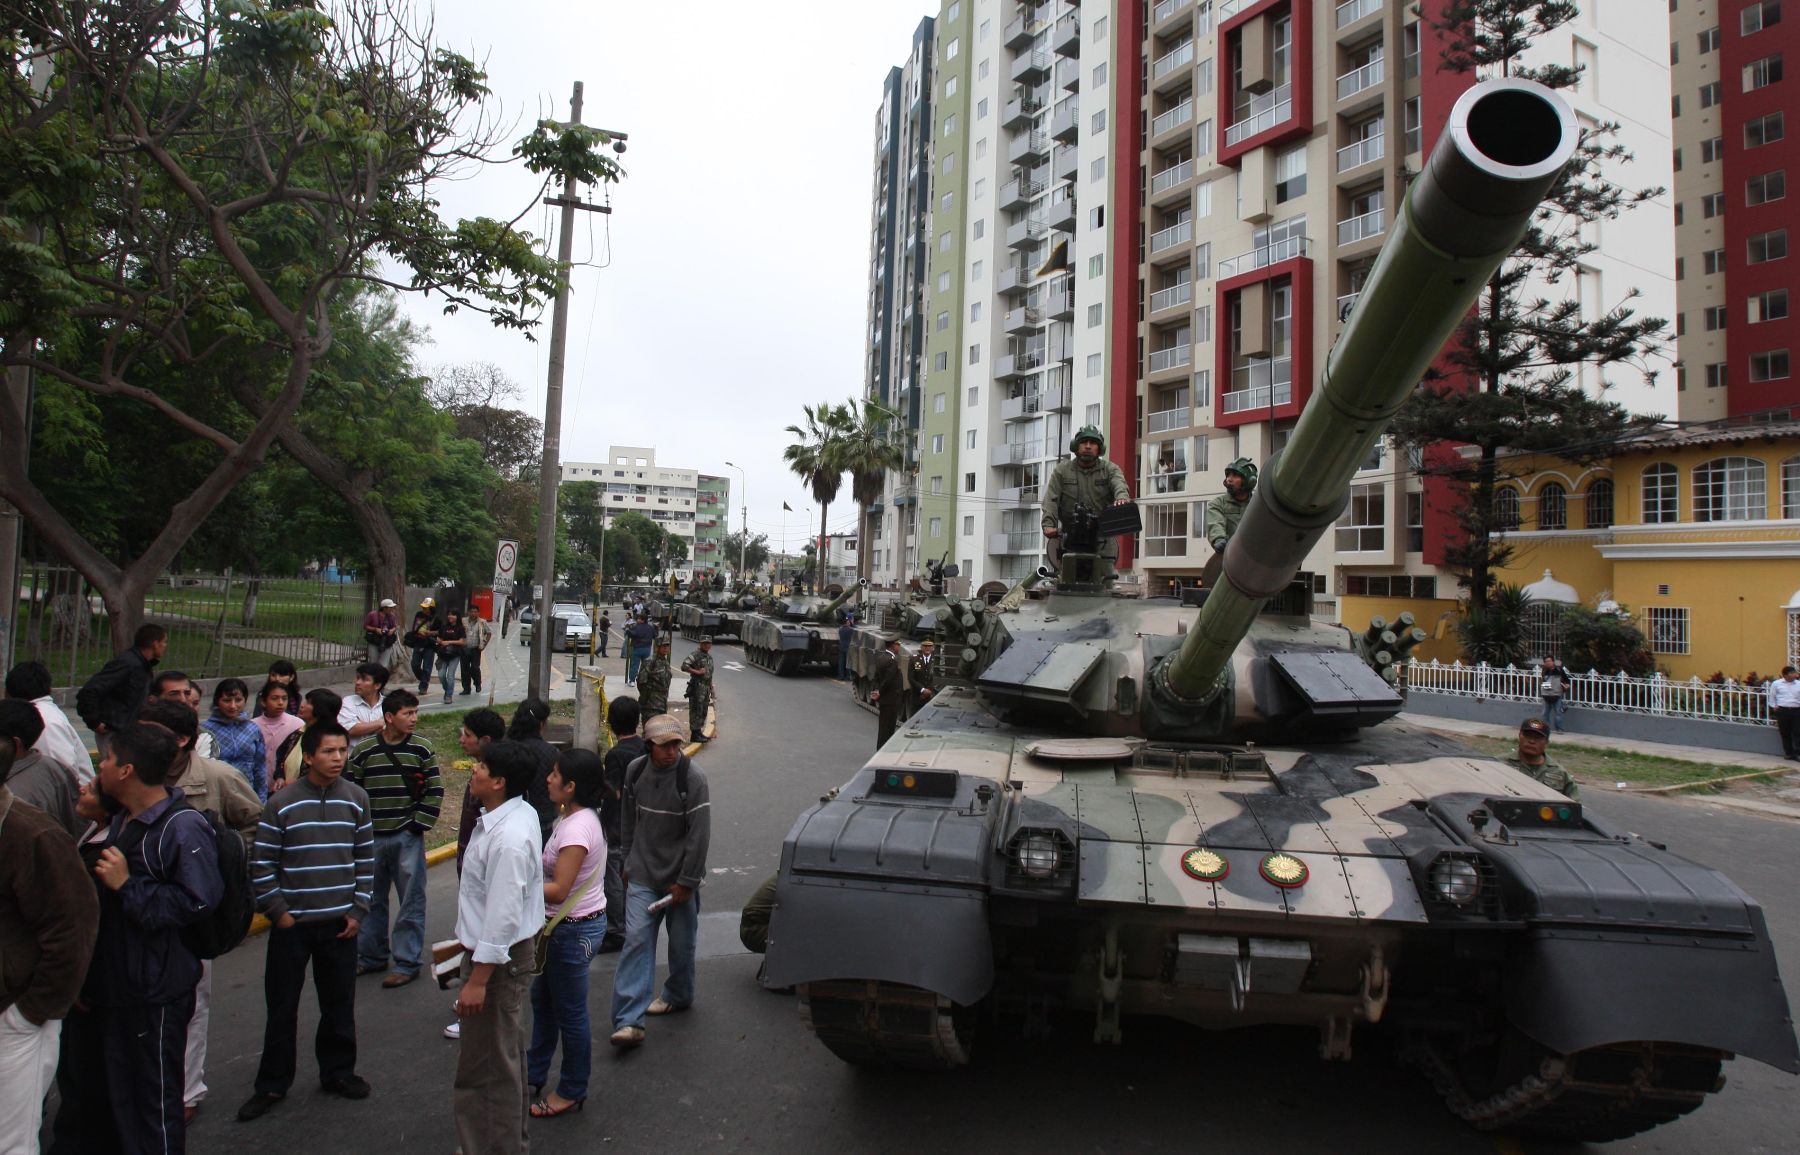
point(872, 447)
point(818, 460)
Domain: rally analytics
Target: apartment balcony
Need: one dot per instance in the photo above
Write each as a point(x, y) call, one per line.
point(1018, 364)
point(1361, 228)
point(1165, 123)
point(1015, 453)
point(1066, 39)
point(1019, 111)
point(1260, 385)
point(1165, 13)
point(1261, 114)
point(1229, 8)
point(1017, 193)
point(1173, 297)
point(1016, 541)
point(1361, 79)
point(1365, 151)
point(1171, 238)
point(1022, 407)
point(1019, 497)
point(1059, 304)
point(1028, 148)
point(1025, 233)
point(1173, 61)
point(1030, 67)
point(1062, 215)
point(1174, 357)
point(1172, 178)
point(1065, 122)
point(1013, 280)
point(1067, 164)
point(1021, 32)
point(1068, 74)
point(1021, 320)
point(1350, 11)
point(1283, 250)
point(1168, 419)
point(1058, 398)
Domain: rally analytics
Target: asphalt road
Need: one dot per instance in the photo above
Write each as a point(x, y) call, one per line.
point(740, 1073)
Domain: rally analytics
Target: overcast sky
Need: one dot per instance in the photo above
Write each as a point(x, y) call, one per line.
point(735, 258)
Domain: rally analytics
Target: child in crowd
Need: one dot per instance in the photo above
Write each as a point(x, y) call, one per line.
point(276, 723)
point(283, 672)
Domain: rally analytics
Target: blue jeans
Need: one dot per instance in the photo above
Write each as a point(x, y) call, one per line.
point(399, 861)
point(601, 638)
point(636, 974)
point(448, 667)
point(421, 666)
point(634, 658)
point(1553, 711)
point(559, 1007)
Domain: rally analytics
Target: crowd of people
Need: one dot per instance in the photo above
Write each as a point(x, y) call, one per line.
point(119, 885)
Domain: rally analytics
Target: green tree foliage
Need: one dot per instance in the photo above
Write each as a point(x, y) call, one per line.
point(1604, 641)
point(1495, 632)
point(871, 448)
point(817, 458)
point(1508, 378)
point(754, 552)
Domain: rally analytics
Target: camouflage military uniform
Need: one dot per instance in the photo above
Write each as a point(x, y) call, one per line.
point(653, 681)
point(699, 669)
point(1096, 486)
point(1222, 516)
point(1549, 773)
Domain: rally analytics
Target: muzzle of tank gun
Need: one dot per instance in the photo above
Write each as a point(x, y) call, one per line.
point(1505, 145)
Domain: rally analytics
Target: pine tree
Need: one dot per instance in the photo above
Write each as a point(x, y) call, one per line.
point(1506, 382)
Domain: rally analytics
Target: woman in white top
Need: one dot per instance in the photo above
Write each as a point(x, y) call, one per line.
point(574, 868)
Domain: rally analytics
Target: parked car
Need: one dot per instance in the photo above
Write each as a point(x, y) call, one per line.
point(580, 632)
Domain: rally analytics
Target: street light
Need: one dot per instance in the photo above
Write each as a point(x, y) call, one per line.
point(744, 536)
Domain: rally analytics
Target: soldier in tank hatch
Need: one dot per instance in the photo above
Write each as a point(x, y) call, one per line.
point(1088, 480)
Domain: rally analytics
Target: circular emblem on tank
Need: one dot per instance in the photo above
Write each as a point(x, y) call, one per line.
point(1284, 870)
point(1205, 865)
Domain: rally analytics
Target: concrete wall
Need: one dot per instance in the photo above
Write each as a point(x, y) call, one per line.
point(1603, 723)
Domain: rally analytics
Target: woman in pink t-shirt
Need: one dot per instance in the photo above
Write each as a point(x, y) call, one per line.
point(574, 868)
point(276, 724)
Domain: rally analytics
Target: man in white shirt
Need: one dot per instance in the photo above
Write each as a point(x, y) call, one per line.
point(30, 682)
point(360, 715)
point(499, 911)
point(1784, 707)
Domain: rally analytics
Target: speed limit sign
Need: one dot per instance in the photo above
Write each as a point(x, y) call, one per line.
point(506, 561)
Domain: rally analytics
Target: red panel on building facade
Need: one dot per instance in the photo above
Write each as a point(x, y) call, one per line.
point(1299, 121)
point(1127, 66)
point(1300, 271)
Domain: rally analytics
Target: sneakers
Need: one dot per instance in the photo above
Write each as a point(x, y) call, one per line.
point(453, 1031)
point(662, 1006)
point(256, 1106)
point(626, 1037)
point(350, 1087)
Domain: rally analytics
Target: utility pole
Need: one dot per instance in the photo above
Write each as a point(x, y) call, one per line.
point(550, 473)
point(744, 535)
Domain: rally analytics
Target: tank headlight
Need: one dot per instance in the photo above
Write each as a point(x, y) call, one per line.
point(1037, 856)
point(1455, 880)
point(813, 636)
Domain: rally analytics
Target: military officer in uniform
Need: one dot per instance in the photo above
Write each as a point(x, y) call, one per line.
point(653, 681)
point(1088, 480)
point(699, 669)
point(921, 673)
point(1534, 739)
point(1224, 512)
point(889, 695)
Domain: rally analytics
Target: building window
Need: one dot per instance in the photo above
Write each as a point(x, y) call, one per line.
point(1661, 495)
point(970, 440)
point(1097, 170)
point(1730, 489)
point(1600, 504)
point(950, 124)
point(1790, 488)
point(1380, 585)
point(1099, 123)
point(974, 359)
point(1096, 265)
point(1709, 95)
point(1290, 174)
point(1759, 16)
point(1770, 186)
point(975, 312)
point(1203, 261)
point(1709, 40)
point(1410, 130)
point(1093, 365)
point(968, 483)
point(935, 527)
point(937, 399)
point(943, 320)
point(1203, 325)
point(1769, 306)
point(1415, 522)
point(1203, 200)
point(1712, 205)
point(1100, 76)
point(1713, 261)
point(980, 229)
point(955, 46)
point(1668, 629)
point(981, 70)
point(1769, 246)
point(1093, 416)
point(1095, 314)
point(1362, 528)
point(1712, 150)
point(1714, 316)
point(979, 190)
point(1769, 366)
point(1675, 105)
point(1553, 507)
point(1165, 530)
point(937, 485)
point(1763, 130)
point(974, 396)
point(937, 442)
point(1506, 508)
point(981, 111)
point(1762, 73)
point(968, 524)
point(940, 362)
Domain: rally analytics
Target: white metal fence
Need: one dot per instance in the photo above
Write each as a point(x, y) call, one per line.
point(1656, 695)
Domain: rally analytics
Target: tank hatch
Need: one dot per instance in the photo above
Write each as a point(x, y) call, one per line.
point(1333, 684)
point(1082, 750)
point(1042, 669)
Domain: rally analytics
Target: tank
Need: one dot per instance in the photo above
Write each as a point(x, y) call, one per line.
point(1119, 806)
point(701, 611)
point(796, 632)
point(933, 616)
point(740, 602)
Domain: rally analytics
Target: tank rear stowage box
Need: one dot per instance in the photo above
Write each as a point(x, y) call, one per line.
point(1120, 805)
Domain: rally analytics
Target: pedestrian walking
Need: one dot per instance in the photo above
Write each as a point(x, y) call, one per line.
point(666, 826)
point(399, 771)
point(653, 679)
point(889, 694)
point(451, 636)
point(1784, 705)
point(360, 715)
point(277, 724)
point(110, 699)
point(603, 631)
point(640, 635)
point(622, 716)
point(921, 676)
point(1553, 688)
point(237, 739)
point(699, 671)
point(315, 706)
point(30, 682)
point(313, 872)
point(846, 639)
point(381, 629)
point(33, 778)
point(49, 916)
point(574, 864)
point(422, 637)
point(479, 634)
point(499, 911)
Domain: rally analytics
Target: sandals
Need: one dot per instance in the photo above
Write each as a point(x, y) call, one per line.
point(663, 1007)
point(542, 1109)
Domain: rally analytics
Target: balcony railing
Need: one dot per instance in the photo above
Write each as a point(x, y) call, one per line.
point(1172, 296)
point(1261, 385)
point(1180, 56)
point(1166, 478)
point(1365, 151)
point(1173, 357)
point(1024, 405)
point(1168, 238)
point(1173, 118)
point(1363, 227)
point(1409, 65)
point(1350, 11)
point(1166, 9)
point(1231, 8)
point(1169, 177)
point(1168, 419)
point(1368, 76)
point(1019, 495)
point(1015, 453)
point(1270, 254)
point(1263, 113)
point(1016, 541)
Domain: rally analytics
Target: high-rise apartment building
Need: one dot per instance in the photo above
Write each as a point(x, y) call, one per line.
point(1732, 110)
point(684, 502)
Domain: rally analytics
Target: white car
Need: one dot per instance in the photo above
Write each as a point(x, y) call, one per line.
point(580, 633)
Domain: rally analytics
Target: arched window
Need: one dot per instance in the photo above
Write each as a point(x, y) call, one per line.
point(1600, 504)
point(1730, 489)
point(1661, 495)
point(1506, 508)
point(1790, 488)
point(1553, 507)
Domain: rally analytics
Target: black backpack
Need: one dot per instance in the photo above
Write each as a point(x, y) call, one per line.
point(228, 923)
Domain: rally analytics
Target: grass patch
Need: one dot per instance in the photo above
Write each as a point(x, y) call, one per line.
point(1604, 767)
point(442, 731)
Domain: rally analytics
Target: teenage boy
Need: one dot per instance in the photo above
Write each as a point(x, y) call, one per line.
point(400, 773)
point(360, 715)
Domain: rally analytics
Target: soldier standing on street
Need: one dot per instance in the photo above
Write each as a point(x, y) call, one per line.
point(653, 681)
point(889, 694)
point(1534, 739)
point(1224, 512)
point(1087, 480)
point(699, 669)
point(922, 674)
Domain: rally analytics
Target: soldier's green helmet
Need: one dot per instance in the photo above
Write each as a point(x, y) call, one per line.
point(1087, 433)
point(1245, 469)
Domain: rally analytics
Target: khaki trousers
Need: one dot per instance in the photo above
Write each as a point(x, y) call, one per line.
point(489, 1101)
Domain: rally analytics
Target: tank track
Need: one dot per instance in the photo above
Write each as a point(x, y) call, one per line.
point(1596, 1095)
point(886, 1024)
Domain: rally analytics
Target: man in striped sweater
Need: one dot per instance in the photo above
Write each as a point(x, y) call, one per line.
point(312, 867)
point(400, 773)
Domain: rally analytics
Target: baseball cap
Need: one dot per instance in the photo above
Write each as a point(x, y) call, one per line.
point(1534, 726)
point(662, 728)
point(428, 603)
point(705, 640)
point(387, 603)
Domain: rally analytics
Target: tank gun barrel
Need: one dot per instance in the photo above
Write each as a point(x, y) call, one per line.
point(837, 603)
point(1506, 143)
